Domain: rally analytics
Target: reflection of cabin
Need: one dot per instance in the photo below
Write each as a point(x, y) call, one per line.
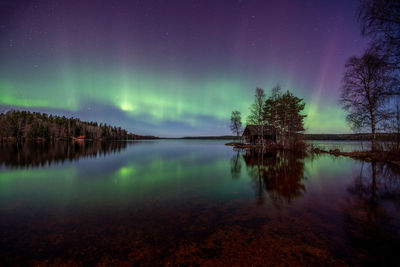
point(253, 133)
point(259, 156)
point(80, 137)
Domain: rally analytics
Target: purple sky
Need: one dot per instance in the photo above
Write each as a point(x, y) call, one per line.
point(174, 68)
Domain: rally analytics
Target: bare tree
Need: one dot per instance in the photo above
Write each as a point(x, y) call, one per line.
point(271, 109)
point(256, 116)
point(394, 126)
point(236, 123)
point(366, 89)
point(380, 19)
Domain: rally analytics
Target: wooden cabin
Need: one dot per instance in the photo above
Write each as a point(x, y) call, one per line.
point(252, 134)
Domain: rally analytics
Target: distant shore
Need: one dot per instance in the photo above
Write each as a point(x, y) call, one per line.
point(20, 126)
point(315, 137)
point(12, 139)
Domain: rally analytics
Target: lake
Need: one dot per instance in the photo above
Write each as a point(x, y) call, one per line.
point(194, 202)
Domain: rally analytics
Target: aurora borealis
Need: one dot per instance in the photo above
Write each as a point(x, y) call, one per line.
point(174, 68)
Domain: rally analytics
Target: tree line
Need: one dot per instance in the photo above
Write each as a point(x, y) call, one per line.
point(21, 125)
point(281, 114)
point(370, 86)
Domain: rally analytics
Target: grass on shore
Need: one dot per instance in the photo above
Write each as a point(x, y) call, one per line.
point(390, 156)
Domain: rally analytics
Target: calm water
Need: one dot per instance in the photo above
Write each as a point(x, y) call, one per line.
point(193, 202)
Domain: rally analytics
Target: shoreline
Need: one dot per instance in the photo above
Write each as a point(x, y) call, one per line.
point(368, 156)
point(391, 157)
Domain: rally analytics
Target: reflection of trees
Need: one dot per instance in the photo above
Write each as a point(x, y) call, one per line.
point(279, 174)
point(372, 214)
point(31, 154)
point(236, 165)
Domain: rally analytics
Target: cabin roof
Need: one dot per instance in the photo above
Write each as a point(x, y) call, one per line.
point(255, 129)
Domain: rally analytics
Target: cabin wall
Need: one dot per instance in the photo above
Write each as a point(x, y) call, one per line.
point(256, 139)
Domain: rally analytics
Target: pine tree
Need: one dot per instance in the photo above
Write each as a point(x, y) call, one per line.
point(283, 113)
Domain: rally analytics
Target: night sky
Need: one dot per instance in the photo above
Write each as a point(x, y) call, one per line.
point(175, 68)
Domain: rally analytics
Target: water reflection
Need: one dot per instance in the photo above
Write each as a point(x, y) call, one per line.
point(278, 174)
point(371, 213)
point(31, 154)
point(236, 164)
point(184, 202)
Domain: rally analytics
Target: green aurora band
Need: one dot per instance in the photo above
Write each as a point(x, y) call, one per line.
point(155, 98)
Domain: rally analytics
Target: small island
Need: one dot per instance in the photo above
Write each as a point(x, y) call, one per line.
point(276, 122)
